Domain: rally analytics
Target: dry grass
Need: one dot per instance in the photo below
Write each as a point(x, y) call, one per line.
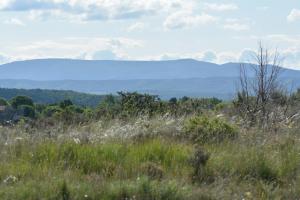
point(145, 159)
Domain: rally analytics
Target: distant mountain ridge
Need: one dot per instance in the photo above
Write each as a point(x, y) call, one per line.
point(166, 78)
point(66, 69)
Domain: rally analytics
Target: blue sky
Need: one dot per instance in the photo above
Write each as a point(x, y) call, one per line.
point(210, 30)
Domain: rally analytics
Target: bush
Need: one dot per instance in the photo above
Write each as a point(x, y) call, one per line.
point(135, 104)
point(109, 108)
point(21, 100)
point(28, 111)
point(204, 129)
point(65, 103)
point(51, 110)
point(3, 102)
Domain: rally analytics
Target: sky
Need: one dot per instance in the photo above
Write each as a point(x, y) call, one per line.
point(218, 31)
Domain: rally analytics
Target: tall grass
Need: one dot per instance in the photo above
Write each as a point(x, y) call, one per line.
point(254, 165)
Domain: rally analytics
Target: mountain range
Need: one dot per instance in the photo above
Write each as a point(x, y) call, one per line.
point(174, 78)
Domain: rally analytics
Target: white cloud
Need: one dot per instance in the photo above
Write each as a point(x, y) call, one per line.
point(104, 55)
point(4, 3)
point(247, 55)
point(294, 15)
point(184, 19)
point(208, 56)
point(291, 57)
point(220, 7)
point(236, 25)
point(14, 21)
point(284, 40)
point(168, 56)
point(225, 57)
point(95, 9)
point(136, 27)
point(4, 59)
point(77, 47)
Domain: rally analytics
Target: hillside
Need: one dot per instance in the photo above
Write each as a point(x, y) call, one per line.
point(175, 78)
point(53, 96)
point(66, 69)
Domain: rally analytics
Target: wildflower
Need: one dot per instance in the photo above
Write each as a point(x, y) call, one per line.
point(86, 196)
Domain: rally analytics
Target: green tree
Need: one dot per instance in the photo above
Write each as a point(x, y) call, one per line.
point(52, 110)
point(65, 103)
point(3, 102)
point(28, 111)
point(109, 107)
point(134, 104)
point(21, 100)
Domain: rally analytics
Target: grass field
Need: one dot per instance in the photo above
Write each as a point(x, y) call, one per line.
point(155, 162)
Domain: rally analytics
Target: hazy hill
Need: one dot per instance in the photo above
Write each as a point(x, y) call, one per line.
point(53, 96)
point(166, 78)
point(63, 69)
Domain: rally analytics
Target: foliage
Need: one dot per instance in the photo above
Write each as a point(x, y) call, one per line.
point(135, 104)
point(28, 111)
point(3, 102)
point(20, 101)
point(204, 129)
point(65, 103)
point(49, 111)
point(188, 106)
point(110, 107)
point(40, 96)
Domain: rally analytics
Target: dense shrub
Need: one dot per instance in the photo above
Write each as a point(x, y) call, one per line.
point(204, 129)
point(3, 102)
point(21, 100)
point(51, 110)
point(135, 104)
point(187, 106)
point(27, 111)
point(109, 108)
point(65, 103)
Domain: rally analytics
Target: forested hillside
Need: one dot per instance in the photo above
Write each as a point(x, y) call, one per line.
point(53, 96)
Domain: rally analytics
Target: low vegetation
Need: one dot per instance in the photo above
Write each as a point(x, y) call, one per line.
point(136, 146)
